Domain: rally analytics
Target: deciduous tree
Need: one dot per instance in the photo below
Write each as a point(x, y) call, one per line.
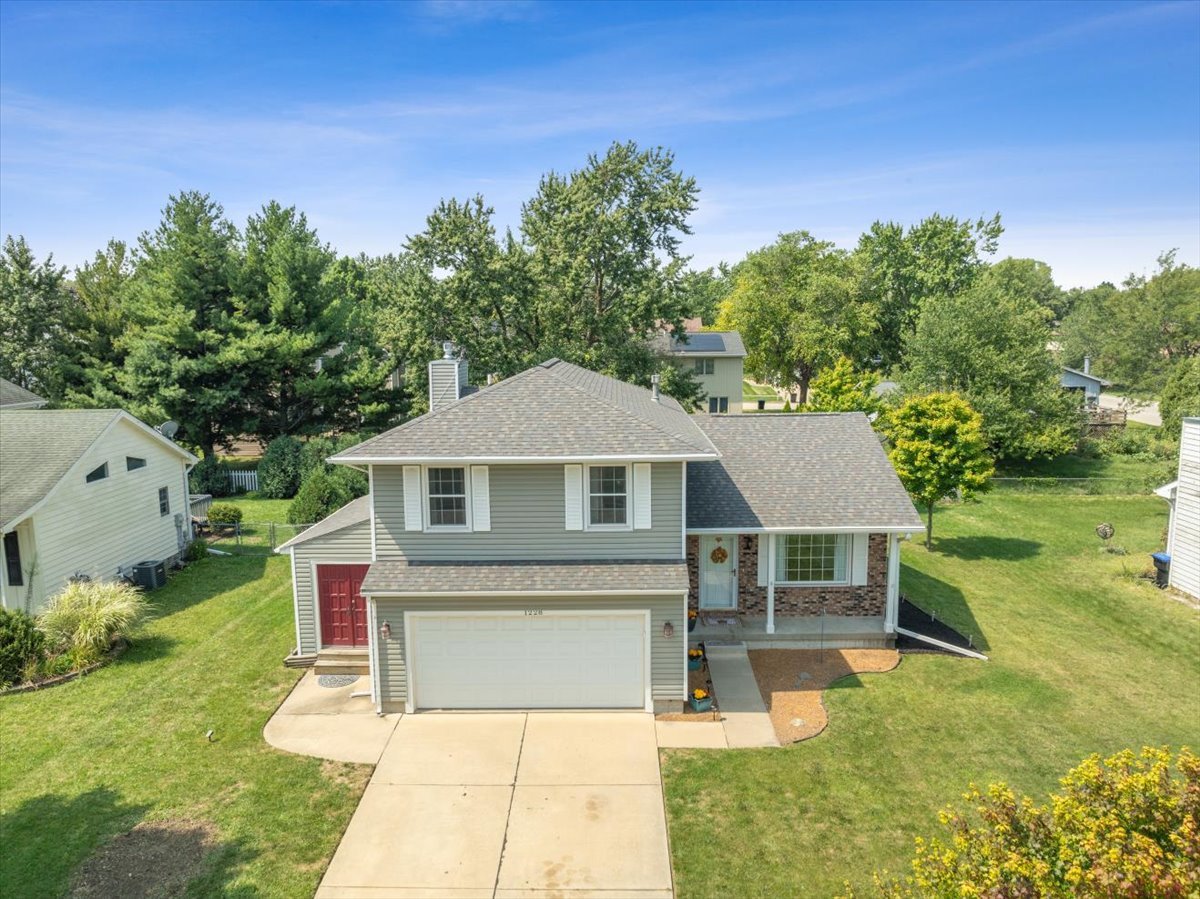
point(1181, 395)
point(798, 307)
point(842, 388)
point(937, 447)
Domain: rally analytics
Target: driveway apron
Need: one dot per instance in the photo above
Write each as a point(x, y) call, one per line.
point(510, 806)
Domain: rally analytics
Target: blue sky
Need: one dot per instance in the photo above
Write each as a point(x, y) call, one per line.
point(1079, 123)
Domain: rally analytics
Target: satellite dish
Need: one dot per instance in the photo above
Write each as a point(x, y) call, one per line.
point(169, 428)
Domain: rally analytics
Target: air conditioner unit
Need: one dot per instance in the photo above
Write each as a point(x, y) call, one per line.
point(150, 575)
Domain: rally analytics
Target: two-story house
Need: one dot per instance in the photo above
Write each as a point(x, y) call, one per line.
point(716, 359)
point(538, 543)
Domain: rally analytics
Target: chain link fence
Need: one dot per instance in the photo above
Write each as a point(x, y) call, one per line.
point(248, 537)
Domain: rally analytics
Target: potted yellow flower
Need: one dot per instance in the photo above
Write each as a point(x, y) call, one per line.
point(695, 659)
point(692, 616)
point(701, 700)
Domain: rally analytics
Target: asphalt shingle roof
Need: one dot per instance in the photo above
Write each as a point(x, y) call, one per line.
point(710, 343)
point(520, 577)
point(14, 395)
point(802, 471)
point(38, 447)
point(555, 409)
point(354, 512)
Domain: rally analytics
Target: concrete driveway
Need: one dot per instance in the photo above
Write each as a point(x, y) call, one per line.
point(510, 806)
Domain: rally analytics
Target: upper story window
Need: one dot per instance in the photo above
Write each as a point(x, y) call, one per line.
point(811, 559)
point(447, 497)
point(99, 473)
point(133, 463)
point(608, 496)
point(718, 404)
point(164, 501)
point(704, 366)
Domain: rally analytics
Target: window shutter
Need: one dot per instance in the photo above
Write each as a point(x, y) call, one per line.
point(763, 557)
point(481, 499)
point(573, 496)
point(641, 496)
point(412, 498)
point(858, 559)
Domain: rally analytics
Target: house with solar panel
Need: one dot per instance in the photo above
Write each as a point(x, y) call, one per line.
point(716, 359)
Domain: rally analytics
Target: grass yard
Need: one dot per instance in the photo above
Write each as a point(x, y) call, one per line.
point(259, 511)
point(1084, 658)
point(752, 392)
point(86, 761)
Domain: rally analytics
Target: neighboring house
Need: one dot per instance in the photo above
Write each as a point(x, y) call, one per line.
point(716, 359)
point(85, 492)
point(1183, 528)
point(13, 396)
point(1092, 387)
point(539, 542)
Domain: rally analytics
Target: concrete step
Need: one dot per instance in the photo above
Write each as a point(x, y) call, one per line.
point(342, 661)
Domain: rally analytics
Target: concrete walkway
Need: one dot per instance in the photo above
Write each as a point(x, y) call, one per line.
point(510, 806)
point(330, 723)
point(743, 714)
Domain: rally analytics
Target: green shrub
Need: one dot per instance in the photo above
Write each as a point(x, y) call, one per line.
point(196, 550)
point(320, 495)
point(281, 467)
point(1139, 444)
point(224, 513)
point(210, 475)
point(353, 481)
point(21, 645)
point(85, 618)
point(1181, 396)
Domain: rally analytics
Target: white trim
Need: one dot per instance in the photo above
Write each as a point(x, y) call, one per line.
point(479, 495)
point(966, 652)
point(847, 559)
point(573, 497)
point(770, 585)
point(438, 594)
point(521, 460)
point(892, 606)
point(642, 496)
point(587, 499)
point(647, 650)
point(425, 511)
point(702, 561)
point(371, 510)
point(414, 514)
point(296, 606)
point(373, 657)
point(852, 529)
point(683, 517)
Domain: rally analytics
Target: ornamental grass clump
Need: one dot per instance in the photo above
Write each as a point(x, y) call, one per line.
point(86, 618)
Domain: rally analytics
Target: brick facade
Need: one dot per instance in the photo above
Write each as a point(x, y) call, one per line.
point(867, 600)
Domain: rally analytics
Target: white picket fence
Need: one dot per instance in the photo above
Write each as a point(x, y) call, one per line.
point(243, 480)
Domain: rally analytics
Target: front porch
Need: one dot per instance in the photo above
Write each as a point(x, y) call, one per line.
point(820, 631)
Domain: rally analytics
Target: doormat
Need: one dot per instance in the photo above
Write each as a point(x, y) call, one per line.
point(710, 620)
point(336, 680)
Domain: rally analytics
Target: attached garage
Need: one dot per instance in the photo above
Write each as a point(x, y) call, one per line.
point(529, 659)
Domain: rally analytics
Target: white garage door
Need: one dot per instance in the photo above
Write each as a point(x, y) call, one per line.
point(589, 660)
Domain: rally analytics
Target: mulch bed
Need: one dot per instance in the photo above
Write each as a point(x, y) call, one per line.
point(914, 618)
point(119, 647)
point(791, 682)
point(155, 859)
point(696, 679)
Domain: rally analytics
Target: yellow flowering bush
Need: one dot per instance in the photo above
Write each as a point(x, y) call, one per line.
point(695, 653)
point(698, 693)
point(1124, 827)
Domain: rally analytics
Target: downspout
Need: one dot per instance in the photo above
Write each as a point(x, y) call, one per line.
point(770, 582)
point(892, 615)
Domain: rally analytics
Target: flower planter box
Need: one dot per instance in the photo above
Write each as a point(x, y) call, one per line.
point(691, 624)
point(694, 664)
point(701, 705)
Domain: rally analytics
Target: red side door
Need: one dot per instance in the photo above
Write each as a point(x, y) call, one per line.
point(343, 610)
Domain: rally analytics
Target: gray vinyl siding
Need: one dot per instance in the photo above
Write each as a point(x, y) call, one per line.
point(350, 545)
point(529, 520)
point(667, 654)
point(726, 380)
point(443, 382)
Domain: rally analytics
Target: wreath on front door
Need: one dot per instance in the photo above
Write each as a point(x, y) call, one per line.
point(719, 555)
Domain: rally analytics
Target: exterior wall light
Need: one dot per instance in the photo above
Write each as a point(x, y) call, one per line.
point(385, 631)
point(668, 630)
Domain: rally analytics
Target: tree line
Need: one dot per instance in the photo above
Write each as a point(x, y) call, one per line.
point(265, 331)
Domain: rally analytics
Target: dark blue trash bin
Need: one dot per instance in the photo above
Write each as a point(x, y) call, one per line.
point(1162, 568)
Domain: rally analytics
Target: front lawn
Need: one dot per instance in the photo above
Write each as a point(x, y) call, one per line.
point(86, 761)
point(752, 392)
point(1085, 658)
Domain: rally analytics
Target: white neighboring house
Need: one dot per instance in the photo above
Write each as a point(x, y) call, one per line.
point(14, 396)
point(1183, 531)
point(85, 492)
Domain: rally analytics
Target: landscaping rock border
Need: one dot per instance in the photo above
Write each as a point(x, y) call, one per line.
point(118, 648)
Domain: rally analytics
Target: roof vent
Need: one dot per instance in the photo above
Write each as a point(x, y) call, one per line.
point(654, 394)
point(447, 349)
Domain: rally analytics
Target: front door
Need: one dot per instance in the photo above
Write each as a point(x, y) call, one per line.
point(718, 571)
point(343, 610)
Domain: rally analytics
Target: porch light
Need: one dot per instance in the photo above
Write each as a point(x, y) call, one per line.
point(385, 631)
point(668, 630)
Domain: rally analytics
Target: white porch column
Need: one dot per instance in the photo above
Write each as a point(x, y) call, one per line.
point(770, 538)
point(892, 613)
